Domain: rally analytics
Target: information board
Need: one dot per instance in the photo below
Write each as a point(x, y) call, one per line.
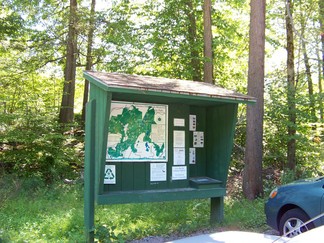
point(137, 132)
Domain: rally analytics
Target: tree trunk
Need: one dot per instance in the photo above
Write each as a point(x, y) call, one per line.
point(321, 72)
point(291, 89)
point(89, 61)
point(320, 86)
point(192, 38)
point(252, 176)
point(308, 71)
point(208, 39)
point(66, 111)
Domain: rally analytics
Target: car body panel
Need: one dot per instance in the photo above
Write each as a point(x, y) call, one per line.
point(322, 209)
point(307, 195)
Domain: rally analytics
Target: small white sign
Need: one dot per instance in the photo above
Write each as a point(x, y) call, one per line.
point(158, 171)
point(178, 122)
point(198, 139)
point(192, 156)
point(110, 174)
point(178, 139)
point(179, 156)
point(179, 172)
point(192, 122)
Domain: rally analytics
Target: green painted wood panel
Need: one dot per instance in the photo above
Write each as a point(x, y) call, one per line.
point(221, 122)
point(140, 175)
point(199, 169)
point(136, 175)
point(216, 117)
point(160, 195)
point(103, 100)
point(127, 170)
point(178, 111)
point(89, 172)
point(212, 160)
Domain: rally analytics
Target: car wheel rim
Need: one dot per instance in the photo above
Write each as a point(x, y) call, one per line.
point(293, 227)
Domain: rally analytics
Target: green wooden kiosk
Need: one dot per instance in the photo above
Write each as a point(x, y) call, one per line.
point(152, 139)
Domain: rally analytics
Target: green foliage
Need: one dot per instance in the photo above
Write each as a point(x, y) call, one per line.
point(143, 38)
point(309, 134)
point(288, 176)
point(106, 234)
point(250, 214)
point(157, 39)
point(33, 212)
point(142, 220)
point(238, 151)
point(10, 23)
point(34, 146)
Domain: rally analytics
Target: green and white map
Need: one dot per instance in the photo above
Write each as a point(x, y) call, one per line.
point(137, 132)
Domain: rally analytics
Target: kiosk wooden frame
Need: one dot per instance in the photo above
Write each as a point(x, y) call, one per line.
point(196, 112)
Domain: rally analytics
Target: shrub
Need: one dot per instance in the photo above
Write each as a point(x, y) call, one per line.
point(34, 146)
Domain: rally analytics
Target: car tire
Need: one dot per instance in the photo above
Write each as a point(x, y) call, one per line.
point(291, 219)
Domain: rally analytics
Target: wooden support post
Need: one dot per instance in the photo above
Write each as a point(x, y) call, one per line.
point(89, 172)
point(216, 210)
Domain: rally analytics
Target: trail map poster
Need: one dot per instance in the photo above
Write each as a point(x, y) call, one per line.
point(137, 132)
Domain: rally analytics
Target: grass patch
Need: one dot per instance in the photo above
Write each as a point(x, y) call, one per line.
point(243, 214)
point(38, 214)
point(33, 212)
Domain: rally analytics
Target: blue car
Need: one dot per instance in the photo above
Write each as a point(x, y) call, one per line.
point(291, 206)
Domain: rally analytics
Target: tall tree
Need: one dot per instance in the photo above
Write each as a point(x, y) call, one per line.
point(307, 67)
point(192, 39)
point(321, 72)
point(89, 61)
point(320, 86)
point(252, 177)
point(208, 43)
point(67, 105)
point(291, 88)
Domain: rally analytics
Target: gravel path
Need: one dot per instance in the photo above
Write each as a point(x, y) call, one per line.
point(160, 239)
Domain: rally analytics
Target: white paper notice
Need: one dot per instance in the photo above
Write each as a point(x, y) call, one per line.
point(158, 171)
point(178, 139)
point(192, 156)
point(198, 139)
point(179, 172)
point(192, 123)
point(179, 156)
point(110, 174)
point(177, 122)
